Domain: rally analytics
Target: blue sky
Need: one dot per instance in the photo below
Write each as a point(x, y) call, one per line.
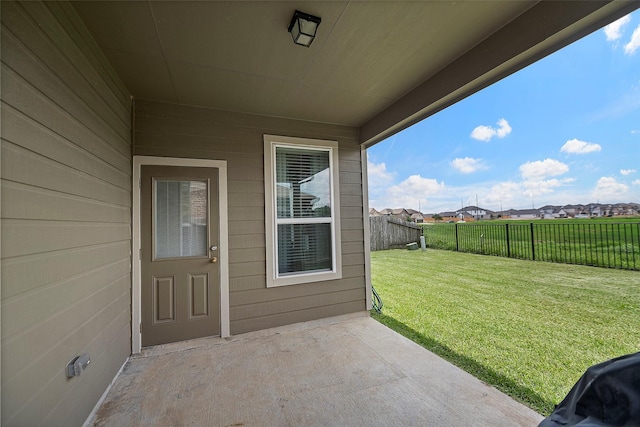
point(564, 130)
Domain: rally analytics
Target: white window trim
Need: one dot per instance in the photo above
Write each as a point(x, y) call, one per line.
point(270, 144)
point(366, 227)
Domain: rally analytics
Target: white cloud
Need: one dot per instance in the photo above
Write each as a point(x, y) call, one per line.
point(579, 147)
point(467, 164)
point(485, 133)
point(503, 193)
point(627, 171)
point(417, 184)
point(377, 174)
point(544, 186)
point(636, 182)
point(607, 188)
point(408, 192)
point(613, 31)
point(634, 43)
point(537, 177)
point(541, 169)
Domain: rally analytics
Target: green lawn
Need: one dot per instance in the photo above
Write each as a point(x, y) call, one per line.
point(527, 328)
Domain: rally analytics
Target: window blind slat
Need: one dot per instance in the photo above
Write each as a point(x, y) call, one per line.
point(180, 218)
point(303, 183)
point(304, 248)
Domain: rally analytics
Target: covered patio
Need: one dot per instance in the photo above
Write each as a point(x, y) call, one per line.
point(346, 370)
point(98, 96)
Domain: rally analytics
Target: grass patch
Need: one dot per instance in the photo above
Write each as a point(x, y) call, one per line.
point(528, 328)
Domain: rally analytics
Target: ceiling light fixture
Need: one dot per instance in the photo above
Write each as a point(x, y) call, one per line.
point(303, 28)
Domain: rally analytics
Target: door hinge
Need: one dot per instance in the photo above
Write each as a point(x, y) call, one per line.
point(140, 327)
point(140, 254)
point(139, 182)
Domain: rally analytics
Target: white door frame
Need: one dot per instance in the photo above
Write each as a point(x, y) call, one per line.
point(136, 303)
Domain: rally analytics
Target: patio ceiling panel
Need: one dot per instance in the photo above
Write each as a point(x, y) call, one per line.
point(154, 84)
point(243, 37)
point(388, 48)
point(376, 66)
point(228, 90)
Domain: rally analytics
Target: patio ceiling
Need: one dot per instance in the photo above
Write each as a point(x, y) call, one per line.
point(378, 66)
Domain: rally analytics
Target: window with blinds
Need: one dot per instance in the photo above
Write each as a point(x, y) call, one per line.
point(301, 190)
point(180, 219)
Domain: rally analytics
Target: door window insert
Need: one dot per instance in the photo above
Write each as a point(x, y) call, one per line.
point(180, 218)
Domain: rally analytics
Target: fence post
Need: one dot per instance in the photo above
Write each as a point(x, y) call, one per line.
point(638, 240)
point(506, 226)
point(533, 246)
point(457, 247)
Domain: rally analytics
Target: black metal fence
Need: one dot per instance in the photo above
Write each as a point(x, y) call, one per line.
point(613, 245)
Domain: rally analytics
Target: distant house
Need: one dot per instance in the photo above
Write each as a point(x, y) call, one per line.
point(595, 211)
point(630, 209)
point(417, 217)
point(523, 213)
point(472, 213)
point(592, 210)
point(549, 212)
point(449, 216)
point(398, 213)
point(428, 218)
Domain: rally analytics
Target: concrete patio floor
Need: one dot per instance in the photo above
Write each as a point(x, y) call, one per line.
point(343, 371)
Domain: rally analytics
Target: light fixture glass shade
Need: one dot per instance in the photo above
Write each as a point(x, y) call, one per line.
point(303, 28)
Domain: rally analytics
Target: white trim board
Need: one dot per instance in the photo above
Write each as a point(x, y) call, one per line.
point(366, 227)
point(136, 303)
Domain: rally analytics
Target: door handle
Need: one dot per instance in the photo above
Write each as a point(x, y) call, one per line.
point(214, 259)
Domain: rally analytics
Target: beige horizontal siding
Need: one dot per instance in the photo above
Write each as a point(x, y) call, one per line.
point(18, 165)
point(21, 96)
point(29, 272)
point(238, 284)
point(351, 247)
point(36, 203)
point(66, 216)
point(233, 120)
point(282, 305)
point(88, 157)
point(351, 211)
point(245, 241)
point(250, 298)
point(183, 131)
point(63, 72)
point(248, 255)
point(24, 237)
point(288, 317)
point(246, 227)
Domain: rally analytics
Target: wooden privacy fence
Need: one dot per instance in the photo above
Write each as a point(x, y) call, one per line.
point(392, 233)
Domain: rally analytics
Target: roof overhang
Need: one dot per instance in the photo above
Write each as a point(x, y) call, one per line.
point(376, 66)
